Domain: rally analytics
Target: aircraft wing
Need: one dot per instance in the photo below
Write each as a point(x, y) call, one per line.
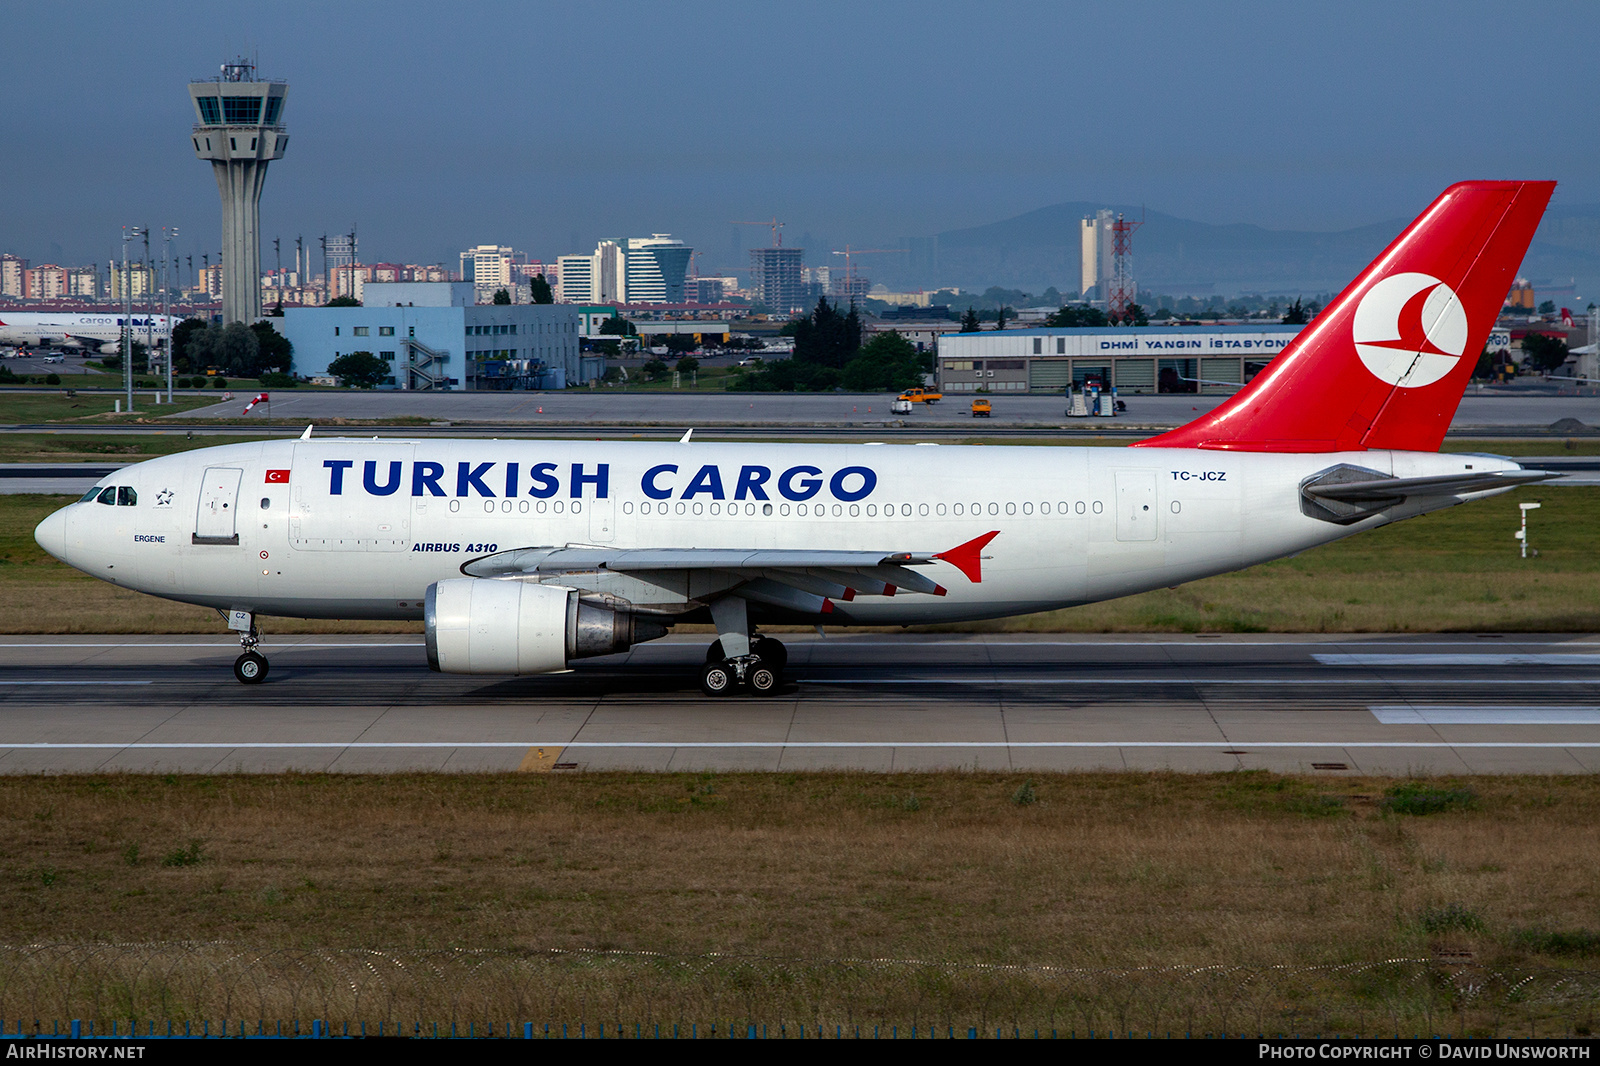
point(803, 578)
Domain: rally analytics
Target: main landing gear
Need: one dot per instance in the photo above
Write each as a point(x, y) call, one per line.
point(251, 667)
point(761, 670)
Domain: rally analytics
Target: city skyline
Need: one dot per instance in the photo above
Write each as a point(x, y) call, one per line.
point(1250, 114)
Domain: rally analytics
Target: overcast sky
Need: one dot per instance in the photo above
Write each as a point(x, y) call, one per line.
point(434, 126)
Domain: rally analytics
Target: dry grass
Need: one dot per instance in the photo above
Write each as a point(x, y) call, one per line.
point(794, 873)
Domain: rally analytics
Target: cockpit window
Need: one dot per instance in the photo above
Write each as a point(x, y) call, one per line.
point(108, 496)
point(126, 497)
point(91, 494)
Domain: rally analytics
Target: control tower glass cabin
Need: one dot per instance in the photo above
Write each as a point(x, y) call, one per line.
point(239, 131)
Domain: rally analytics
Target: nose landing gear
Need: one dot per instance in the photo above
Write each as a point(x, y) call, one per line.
point(251, 667)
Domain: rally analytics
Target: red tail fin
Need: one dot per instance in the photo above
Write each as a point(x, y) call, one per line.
point(1384, 366)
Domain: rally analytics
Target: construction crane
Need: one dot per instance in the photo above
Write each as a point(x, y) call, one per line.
point(777, 229)
point(849, 254)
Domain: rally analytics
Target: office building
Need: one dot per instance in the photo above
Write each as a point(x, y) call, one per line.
point(775, 278)
point(1095, 248)
point(632, 270)
point(13, 276)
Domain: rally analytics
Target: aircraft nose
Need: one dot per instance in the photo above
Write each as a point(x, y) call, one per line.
point(52, 534)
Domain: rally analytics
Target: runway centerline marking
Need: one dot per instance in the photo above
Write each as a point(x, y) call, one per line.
point(1420, 714)
point(1455, 659)
point(106, 682)
point(1520, 682)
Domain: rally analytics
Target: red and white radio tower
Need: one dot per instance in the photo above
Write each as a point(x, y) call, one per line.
point(1124, 289)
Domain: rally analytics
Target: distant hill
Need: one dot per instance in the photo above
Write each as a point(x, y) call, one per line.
point(1178, 255)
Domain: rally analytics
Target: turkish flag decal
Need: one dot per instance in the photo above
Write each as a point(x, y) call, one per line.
point(277, 477)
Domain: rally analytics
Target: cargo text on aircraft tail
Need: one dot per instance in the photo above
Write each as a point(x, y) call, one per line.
point(1385, 364)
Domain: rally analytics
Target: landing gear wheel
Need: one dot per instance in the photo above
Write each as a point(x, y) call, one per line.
point(762, 679)
point(770, 651)
point(717, 679)
point(250, 668)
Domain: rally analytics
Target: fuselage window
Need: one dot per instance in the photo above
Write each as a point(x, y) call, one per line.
point(265, 503)
point(126, 497)
point(800, 509)
point(1078, 507)
point(1027, 508)
point(957, 509)
point(783, 508)
point(994, 508)
point(107, 497)
point(837, 510)
point(922, 509)
point(940, 510)
point(716, 508)
point(1011, 508)
point(905, 509)
point(855, 510)
point(627, 508)
point(872, 510)
point(1097, 507)
point(766, 508)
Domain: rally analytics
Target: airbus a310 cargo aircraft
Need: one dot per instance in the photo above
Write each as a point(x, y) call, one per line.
point(523, 555)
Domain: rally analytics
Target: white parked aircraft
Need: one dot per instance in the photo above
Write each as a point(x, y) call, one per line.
point(99, 331)
point(521, 556)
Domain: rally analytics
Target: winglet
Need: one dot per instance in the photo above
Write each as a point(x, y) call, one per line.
point(685, 438)
point(307, 434)
point(966, 557)
point(827, 606)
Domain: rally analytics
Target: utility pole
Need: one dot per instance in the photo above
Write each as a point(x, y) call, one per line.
point(149, 300)
point(327, 282)
point(166, 300)
point(277, 274)
point(127, 320)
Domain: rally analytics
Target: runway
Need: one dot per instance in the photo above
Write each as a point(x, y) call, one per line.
point(875, 702)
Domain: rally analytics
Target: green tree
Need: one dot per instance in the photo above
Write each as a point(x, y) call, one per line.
point(1135, 315)
point(687, 365)
point(653, 370)
point(1000, 317)
point(969, 321)
point(541, 290)
point(501, 296)
point(888, 362)
point(343, 301)
point(361, 370)
point(1296, 314)
point(273, 350)
point(618, 327)
point(1076, 317)
point(1543, 353)
point(238, 351)
point(182, 361)
point(1548, 307)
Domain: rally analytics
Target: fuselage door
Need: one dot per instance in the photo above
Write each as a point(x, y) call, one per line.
point(216, 521)
point(1136, 505)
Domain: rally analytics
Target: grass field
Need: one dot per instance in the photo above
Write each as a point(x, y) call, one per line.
point(797, 881)
point(28, 408)
point(1456, 570)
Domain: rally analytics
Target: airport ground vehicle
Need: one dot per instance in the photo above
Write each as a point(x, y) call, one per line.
point(921, 395)
point(900, 407)
point(981, 409)
point(521, 556)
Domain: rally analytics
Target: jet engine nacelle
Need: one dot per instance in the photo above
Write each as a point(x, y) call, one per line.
point(488, 626)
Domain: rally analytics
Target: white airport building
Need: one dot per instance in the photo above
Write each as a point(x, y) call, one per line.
point(1147, 359)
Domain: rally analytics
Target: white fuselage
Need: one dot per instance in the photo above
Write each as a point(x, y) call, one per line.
point(343, 528)
point(95, 329)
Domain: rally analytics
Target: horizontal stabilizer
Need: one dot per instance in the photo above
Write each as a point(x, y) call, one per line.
point(1444, 485)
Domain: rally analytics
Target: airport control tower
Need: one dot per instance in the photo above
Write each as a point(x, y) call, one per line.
point(240, 130)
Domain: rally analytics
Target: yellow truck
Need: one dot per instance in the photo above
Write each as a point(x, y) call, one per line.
point(921, 395)
point(981, 409)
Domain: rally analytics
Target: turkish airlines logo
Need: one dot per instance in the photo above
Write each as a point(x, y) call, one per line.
point(277, 477)
point(1410, 330)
